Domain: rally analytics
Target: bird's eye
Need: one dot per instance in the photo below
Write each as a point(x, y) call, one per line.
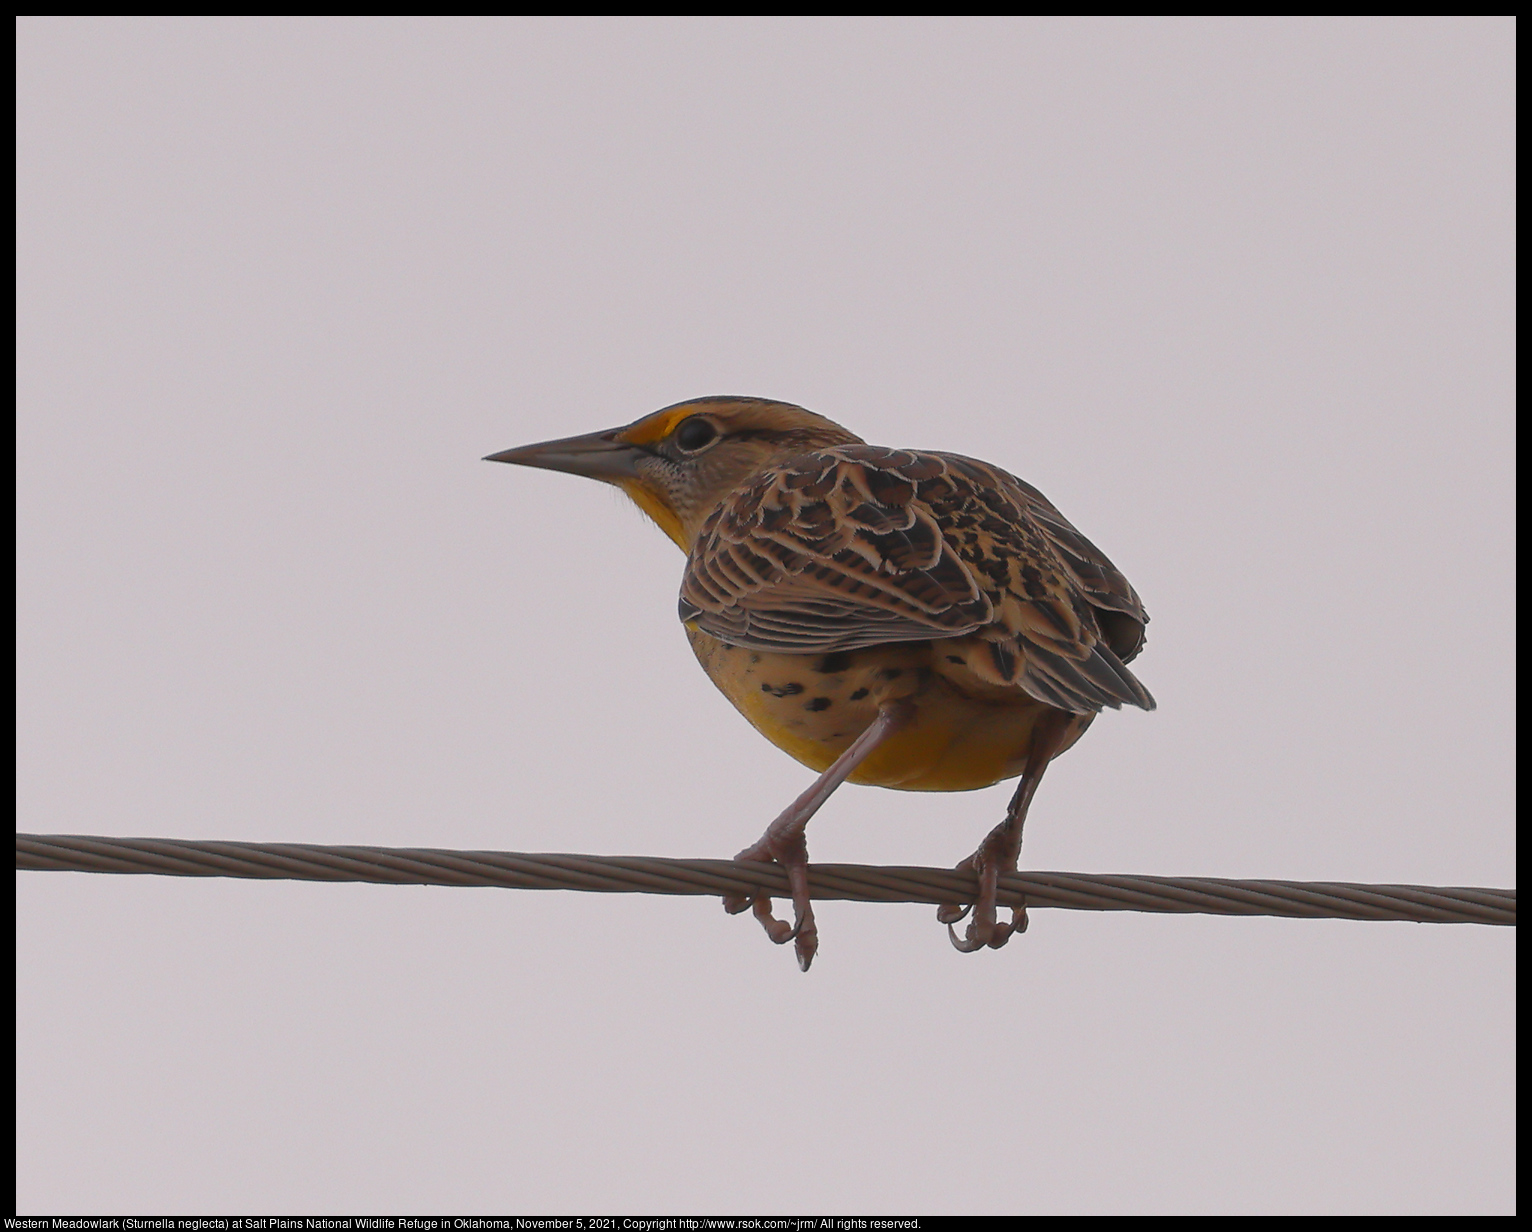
point(695, 435)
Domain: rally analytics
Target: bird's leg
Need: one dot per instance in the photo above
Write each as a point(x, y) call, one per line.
point(784, 839)
point(1002, 847)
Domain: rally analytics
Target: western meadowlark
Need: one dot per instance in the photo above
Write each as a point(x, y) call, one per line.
point(915, 620)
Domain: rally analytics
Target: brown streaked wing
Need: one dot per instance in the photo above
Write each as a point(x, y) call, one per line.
point(1066, 621)
point(1120, 612)
point(831, 550)
point(856, 545)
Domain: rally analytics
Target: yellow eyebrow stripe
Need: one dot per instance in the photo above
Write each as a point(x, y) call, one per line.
point(655, 427)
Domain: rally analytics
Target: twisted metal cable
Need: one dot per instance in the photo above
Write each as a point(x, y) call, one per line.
point(855, 882)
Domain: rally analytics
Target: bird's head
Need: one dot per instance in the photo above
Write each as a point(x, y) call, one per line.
point(679, 463)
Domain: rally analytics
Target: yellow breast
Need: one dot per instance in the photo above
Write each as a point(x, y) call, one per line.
point(813, 706)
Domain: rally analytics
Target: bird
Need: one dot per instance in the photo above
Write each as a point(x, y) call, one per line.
point(904, 618)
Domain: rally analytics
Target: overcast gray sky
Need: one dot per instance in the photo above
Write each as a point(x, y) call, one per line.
point(1236, 294)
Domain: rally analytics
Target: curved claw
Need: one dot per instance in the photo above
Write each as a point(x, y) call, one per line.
point(806, 944)
point(780, 931)
point(792, 854)
point(967, 945)
point(1004, 932)
point(999, 934)
point(803, 932)
point(952, 913)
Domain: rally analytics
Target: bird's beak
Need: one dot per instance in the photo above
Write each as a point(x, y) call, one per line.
point(600, 455)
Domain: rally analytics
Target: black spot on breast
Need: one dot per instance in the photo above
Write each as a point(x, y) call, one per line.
point(837, 662)
point(859, 694)
point(819, 703)
point(784, 690)
point(1004, 659)
point(891, 673)
point(755, 658)
point(956, 659)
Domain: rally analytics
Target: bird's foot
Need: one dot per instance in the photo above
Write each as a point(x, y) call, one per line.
point(994, 853)
point(790, 850)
